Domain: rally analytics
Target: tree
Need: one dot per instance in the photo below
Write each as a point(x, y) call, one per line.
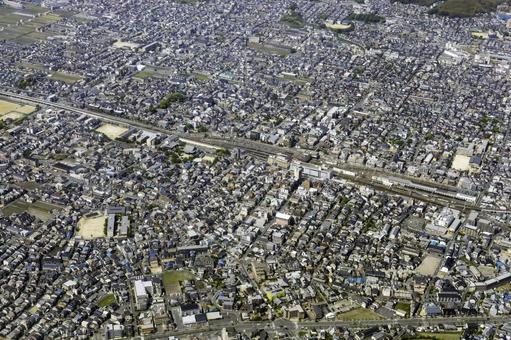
point(174, 97)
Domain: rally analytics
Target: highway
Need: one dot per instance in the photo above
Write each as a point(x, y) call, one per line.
point(262, 151)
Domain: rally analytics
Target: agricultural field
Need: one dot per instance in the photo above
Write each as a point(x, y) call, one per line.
point(14, 111)
point(172, 278)
point(440, 335)
point(144, 74)
point(111, 131)
point(22, 25)
point(91, 228)
point(107, 300)
point(39, 209)
point(201, 76)
point(65, 77)
point(55, 75)
point(359, 314)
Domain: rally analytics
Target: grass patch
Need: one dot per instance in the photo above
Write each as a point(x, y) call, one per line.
point(144, 74)
point(403, 306)
point(201, 76)
point(366, 17)
point(359, 314)
point(293, 21)
point(107, 300)
point(65, 77)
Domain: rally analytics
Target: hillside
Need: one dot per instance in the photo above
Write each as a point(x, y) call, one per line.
point(466, 8)
point(458, 8)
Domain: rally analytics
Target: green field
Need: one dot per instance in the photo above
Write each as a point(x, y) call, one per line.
point(39, 209)
point(440, 336)
point(55, 75)
point(107, 300)
point(359, 314)
point(172, 278)
point(144, 74)
point(65, 77)
point(201, 76)
point(403, 306)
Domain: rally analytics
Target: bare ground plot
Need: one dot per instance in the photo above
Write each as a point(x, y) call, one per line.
point(461, 162)
point(429, 265)
point(91, 227)
point(125, 44)
point(111, 131)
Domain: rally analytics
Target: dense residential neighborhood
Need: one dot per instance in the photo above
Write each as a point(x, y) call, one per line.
point(217, 169)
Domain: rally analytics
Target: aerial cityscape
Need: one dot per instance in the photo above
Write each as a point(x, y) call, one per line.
point(255, 169)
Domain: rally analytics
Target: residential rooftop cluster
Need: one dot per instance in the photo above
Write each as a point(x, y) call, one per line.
point(253, 170)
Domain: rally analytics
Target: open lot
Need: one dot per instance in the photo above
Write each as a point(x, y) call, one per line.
point(359, 314)
point(111, 131)
point(126, 44)
point(461, 163)
point(429, 265)
point(91, 228)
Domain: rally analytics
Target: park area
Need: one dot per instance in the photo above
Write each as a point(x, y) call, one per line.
point(91, 227)
point(14, 111)
point(111, 131)
point(172, 278)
